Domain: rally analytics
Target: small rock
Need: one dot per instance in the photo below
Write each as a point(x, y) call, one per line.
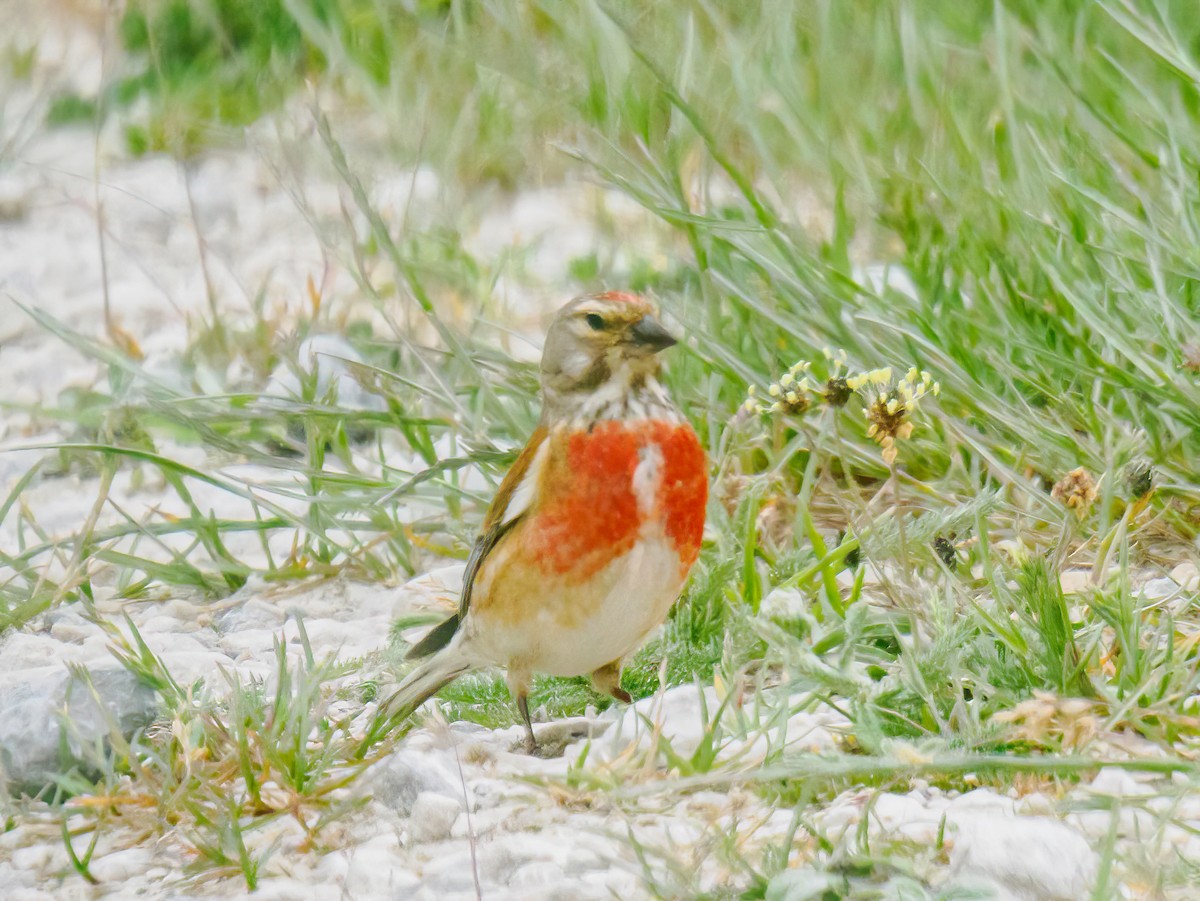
point(169, 624)
point(376, 870)
point(1034, 857)
point(281, 888)
point(678, 715)
point(254, 614)
point(1130, 820)
point(1035, 804)
point(72, 628)
point(485, 822)
point(1158, 589)
point(537, 874)
point(366, 600)
point(452, 873)
point(254, 643)
point(31, 703)
point(357, 638)
point(333, 867)
point(120, 866)
point(982, 800)
point(190, 666)
point(783, 602)
point(804, 885)
point(887, 278)
point(397, 781)
point(25, 651)
point(11, 877)
point(1118, 783)
point(1076, 581)
point(433, 817)
point(1187, 575)
point(905, 815)
point(33, 857)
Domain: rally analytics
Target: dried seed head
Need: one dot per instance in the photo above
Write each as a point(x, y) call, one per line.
point(775, 519)
point(837, 391)
point(1139, 479)
point(888, 420)
point(1048, 721)
point(946, 551)
point(1191, 357)
point(1077, 490)
point(853, 558)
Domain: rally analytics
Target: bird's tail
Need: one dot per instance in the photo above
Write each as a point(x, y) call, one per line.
point(423, 683)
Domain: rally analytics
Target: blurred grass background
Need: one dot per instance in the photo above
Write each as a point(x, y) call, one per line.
point(1029, 168)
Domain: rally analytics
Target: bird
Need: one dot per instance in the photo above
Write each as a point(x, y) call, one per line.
point(594, 529)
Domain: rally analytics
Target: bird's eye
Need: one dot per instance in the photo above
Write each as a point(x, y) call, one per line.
point(595, 321)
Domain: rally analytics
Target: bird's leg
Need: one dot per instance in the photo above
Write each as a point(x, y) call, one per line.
point(607, 681)
point(523, 706)
point(518, 687)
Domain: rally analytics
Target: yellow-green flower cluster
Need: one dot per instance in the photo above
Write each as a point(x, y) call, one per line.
point(890, 406)
point(797, 388)
point(791, 394)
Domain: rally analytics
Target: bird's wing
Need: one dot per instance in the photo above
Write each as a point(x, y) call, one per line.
point(513, 501)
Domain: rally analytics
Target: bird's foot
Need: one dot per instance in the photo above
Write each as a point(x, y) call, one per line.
point(554, 737)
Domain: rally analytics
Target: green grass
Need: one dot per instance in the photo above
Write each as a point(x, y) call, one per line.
point(1027, 167)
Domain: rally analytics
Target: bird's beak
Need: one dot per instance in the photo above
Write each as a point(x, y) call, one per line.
point(649, 333)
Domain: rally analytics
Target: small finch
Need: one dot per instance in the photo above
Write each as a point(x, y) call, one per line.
point(594, 529)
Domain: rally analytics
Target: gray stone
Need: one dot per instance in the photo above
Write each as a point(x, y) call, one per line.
point(254, 614)
point(802, 885)
point(69, 626)
point(537, 874)
point(452, 872)
point(433, 817)
point(121, 866)
point(278, 888)
point(24, 650)
point(1034, 857)
point(678, 715)
point(397, 781)
point(1158, 589)
point(377, 869)
point(38, 706)
point(12, 877)
point(32, 858)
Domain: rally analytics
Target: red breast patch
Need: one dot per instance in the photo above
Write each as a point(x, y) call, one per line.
point(588, 513)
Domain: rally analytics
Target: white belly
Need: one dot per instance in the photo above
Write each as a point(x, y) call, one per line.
point(645, 583)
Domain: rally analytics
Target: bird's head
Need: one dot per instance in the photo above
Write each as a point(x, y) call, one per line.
point(600, 344)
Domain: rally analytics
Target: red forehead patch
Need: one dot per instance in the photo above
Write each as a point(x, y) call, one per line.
point(619, 297)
